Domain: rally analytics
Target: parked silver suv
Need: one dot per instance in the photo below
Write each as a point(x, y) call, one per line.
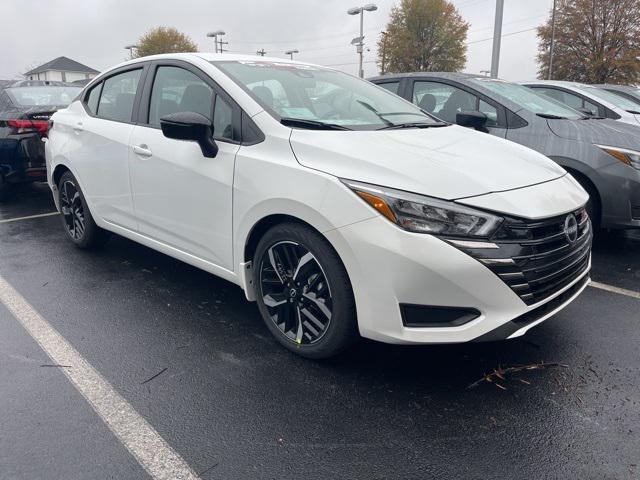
point(602, 154)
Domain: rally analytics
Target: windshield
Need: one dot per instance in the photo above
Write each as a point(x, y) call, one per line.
point(46, 95)
point(612, 98)
point(317, 94)
point(529, 99)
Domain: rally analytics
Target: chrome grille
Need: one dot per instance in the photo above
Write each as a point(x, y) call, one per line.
point(536, 258)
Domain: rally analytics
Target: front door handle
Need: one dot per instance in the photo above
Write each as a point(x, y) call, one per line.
point(142, 150)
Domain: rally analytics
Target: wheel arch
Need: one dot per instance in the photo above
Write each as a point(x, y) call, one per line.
point(58, 171)
point(591, 189)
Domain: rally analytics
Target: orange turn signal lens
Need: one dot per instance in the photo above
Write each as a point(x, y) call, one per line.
point(379, 204)
point(619, 155)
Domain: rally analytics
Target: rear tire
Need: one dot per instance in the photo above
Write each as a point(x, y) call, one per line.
point(76, 217)
point(303, 292)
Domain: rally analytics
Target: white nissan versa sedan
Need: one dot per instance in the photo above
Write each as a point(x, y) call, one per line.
point(342, 209)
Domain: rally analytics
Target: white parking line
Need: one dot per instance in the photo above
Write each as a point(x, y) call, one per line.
point(136, 434)
point(17, 219)
point(611, 288)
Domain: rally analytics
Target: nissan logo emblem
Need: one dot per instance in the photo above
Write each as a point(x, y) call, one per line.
point(571, 228)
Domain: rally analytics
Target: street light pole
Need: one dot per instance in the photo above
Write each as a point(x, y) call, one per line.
point(215, 36)
point(291, 52)
point(130, 48)
point(359, 41)
point(497, 38)
point(553, 40)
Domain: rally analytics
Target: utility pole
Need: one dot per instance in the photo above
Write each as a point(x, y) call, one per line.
point(262, 52)
point(291, 52)
point(497, 38)
point(384, 52)
point(359, 41)
point(221, 44)
point(553, 40)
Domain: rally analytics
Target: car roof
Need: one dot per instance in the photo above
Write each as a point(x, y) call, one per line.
point(449, 75)
point(622, 88)
point(558, 83)
point(211, 57)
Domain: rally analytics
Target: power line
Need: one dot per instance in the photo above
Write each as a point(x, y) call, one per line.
point(502, 36)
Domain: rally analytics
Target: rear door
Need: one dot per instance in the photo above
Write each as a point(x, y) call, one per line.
point(183, 199)
point(100, 155)
point(445, 100)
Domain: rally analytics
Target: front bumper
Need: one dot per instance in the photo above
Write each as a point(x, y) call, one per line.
point(389, 267)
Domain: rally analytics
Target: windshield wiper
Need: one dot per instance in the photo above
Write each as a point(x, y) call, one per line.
point(550, 116)
point(414, 125)
point(311, 124)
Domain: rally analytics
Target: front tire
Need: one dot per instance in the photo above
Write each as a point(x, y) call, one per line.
point(303, 292)
point(76, 217)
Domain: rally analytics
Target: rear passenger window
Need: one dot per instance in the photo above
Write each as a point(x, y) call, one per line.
point(178, 90)
point(92, 99)
point(118, 94)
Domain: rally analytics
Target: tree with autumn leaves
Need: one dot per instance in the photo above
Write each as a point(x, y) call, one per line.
point(596, 41)
point(164, 40)
point(423, 36)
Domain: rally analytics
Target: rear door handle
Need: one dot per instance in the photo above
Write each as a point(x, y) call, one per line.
point(78, 127)
point(142, 150)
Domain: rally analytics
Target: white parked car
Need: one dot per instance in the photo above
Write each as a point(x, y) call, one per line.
point(590, 99)
point(342, 209)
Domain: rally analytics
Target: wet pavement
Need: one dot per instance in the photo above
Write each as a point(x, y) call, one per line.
point(235, 405)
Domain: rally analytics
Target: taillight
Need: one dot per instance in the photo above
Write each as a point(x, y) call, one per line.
point(27, 126)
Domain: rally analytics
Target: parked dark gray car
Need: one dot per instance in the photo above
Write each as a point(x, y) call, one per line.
point(602, 154)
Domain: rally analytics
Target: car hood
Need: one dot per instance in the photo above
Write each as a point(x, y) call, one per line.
point(603, 132)
point(446, 162)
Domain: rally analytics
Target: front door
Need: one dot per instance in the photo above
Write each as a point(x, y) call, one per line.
point(181, 198)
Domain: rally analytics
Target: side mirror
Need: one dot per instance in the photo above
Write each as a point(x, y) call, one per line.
point(190, 126)
point(476, 120)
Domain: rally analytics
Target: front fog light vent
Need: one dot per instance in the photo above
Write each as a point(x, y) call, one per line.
point(423, 316)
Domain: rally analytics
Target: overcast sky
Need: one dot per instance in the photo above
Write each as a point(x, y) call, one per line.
point(94, 32)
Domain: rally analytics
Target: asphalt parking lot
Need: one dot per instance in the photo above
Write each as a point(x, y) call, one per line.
point(193, 358)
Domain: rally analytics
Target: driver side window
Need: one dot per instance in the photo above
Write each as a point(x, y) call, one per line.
point(443, 101)
point(178, 90)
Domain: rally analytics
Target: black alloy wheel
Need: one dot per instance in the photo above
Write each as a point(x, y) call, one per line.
point(72, 209)
point(76, 217)
point(303, 291)
point(296, 292)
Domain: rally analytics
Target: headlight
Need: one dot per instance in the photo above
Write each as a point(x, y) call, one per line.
point(630, 157)
point(420, 214)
